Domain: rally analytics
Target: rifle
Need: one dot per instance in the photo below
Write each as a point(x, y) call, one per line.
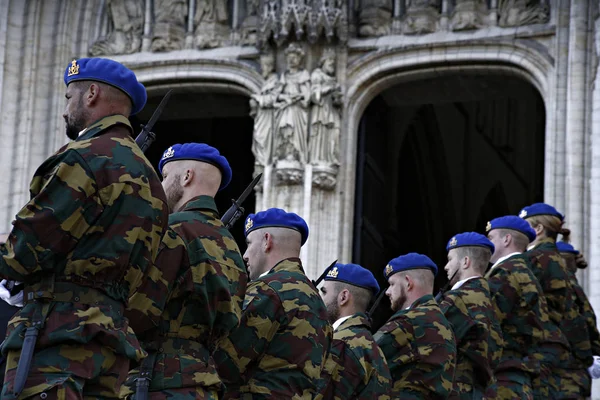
point(146, 136)
point(445, 288)
point(320, 278)
point(376, 303)
point(236, 210)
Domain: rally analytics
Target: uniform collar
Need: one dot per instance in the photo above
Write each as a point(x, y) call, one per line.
point(340, 321)
point(102, 124)
point(460, 283)
point(289, 264)
point(504, 258)
point(202, 202)
point(547, 243)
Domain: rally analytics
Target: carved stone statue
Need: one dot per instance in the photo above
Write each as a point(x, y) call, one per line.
point(170, 24)
point(522, 12)
point(326, 95)
point(375, 17)
point(292, 114)
point(422, 16)
point(125, 37)
point(468, 14)
point(262, 109)
point(251, 23)
point(211, 21)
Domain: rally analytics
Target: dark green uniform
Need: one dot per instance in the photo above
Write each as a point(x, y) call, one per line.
point(82, 245)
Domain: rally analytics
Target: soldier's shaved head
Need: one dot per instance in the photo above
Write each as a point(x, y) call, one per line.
point(507, 241)
point(343, 299)
point(407, 286)
point(89, 101)
point(269, 245)
point(185, 179)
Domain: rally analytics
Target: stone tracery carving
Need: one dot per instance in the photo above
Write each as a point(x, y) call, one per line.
point(283, 19)
point(170, 24)
point(522, 12)
point(375, 17)
point(251, 22)
point(127, 19)
point(211, 21)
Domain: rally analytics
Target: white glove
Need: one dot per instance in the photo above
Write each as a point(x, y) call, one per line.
point(16, 300)
point(594, 369)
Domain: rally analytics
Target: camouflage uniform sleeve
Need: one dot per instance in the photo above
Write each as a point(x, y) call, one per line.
point(590, 319)
point(506, 293)
point(150, 299)
point(213, 286)
point(260, 321)
point(54, 219)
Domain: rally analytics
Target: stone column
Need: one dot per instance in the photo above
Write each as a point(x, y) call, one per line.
point(593, 251)
point(577, 96)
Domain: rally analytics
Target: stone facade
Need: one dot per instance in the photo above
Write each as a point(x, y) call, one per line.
point(323, 62)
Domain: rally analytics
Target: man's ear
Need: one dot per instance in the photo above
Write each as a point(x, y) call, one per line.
point(92, 94)
point(539, 228)
point(466, 261)
point(268, 242)
point(408, 282)
point(187, 177)
point(343, 297)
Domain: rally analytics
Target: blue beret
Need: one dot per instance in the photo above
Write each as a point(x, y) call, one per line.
point(276, 217)
point(408, 262)
point(354, 275)
point(540, 209)
point(566, 248)
point(111, 73)
point(514, 223)
point(470, 239)
point(199, 152)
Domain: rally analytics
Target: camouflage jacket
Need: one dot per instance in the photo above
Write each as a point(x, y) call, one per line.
point(478, 335)
point(88, 234)
point(356, 367)
point(195, 294)
point(282, 342)
point(522, 312)
point(586, 310)
point(420, 349)
point(551, 271)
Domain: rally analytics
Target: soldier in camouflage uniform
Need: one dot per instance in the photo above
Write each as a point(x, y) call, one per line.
point(280, 348)
point(570, 375)
point(82, 243)
point(532, 343)
point(356, 367)
point(468, 307)
point(417, 341)
point(569, 253)
point(196, 288)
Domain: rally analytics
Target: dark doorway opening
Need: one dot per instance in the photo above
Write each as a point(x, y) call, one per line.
point(441, 156)
point(219, 119)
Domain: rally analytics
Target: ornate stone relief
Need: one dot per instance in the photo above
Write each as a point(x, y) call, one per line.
point(325, 121)
point(170, 24)
point(522, 12)
point(251, 23)
point(375, 17)
point(469, 14)
point(422, 16)
point(127, 25)
point(303, 19)
point(211, 21)
point(297, 119)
